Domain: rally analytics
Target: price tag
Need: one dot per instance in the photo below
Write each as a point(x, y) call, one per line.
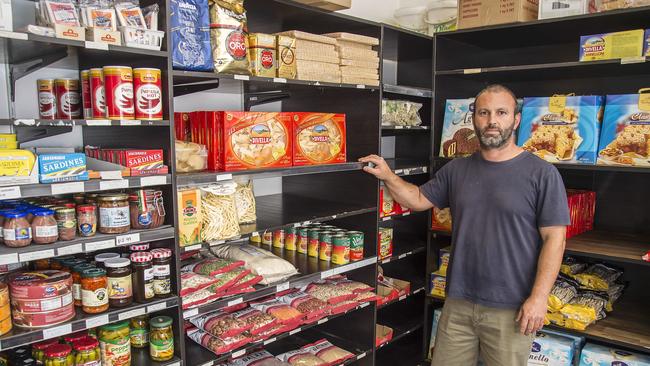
point(399, 171)
point(127, 239)
point(210, 363)
point(131, 313)
point(632, 60)
point(156, 307)
point(402, 256)
point(407, 171)
point(32, 256)
point(13, 35)
point(306, 223)
point(98, 122)
point(324, 320)
point(406, 214)
point(154, 180)
point(334, 217)
point(387, 260)
point(97, 321)
point(239, 353)
point(130, 122)
point(361, 86)
point(99, 245)
point(283, 287)
point(96, 45)
point(177, 363)
point(24, 122)
point(402, 297)
point(70, 249)
point(361, 356)
point(295, 331)
point(280, 80)
point(255, 233)
point(190, 313)
point(326, 274)
point(242, 77)
point(193, 247)
point(418, 290)
point(221, 177)
point(270, 340)
point(236, 301)
point(7, 193)
point(387, 218)
point(59, 331)
point(472, 71)
point(8, 258)
point(399, 127)
point(425, 169)
point(113, 184)
point(218, 242)
point(63, 188)
point(364, 305)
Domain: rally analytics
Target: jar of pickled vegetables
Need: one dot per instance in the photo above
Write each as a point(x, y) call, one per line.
point(140, 331)
point(86, 352)
point(161, 339)
point(115, 344)
point(59, 355)
point(38, 350)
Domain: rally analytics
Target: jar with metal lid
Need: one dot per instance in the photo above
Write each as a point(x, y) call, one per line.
point(73, 338)
point(38, 350)
point(115, 344)
point(140, 331)
point(94, 290)
point(68, 264)
point(59, 355)
point(56, 262)
point(103, 257)
point(91, 198)
point(147, 210)
point(161, 339)
point(142, 247)
point(87, 353)
point(162, 282)
point(66, 221)
point(16, 231)
point(143, 289)
point(113, 213)
point(44, 227)
point(120, 290)
point(87, 220)
point(76, 281)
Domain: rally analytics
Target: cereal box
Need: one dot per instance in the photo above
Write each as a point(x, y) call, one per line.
point(386, 203)
point(458, 137)
point(319, 138)
point(441, 219)
point(385, 245)
point(445, 254)
point(607, 46)
point(562, 129)
point(595, 355)
point(54, 168)
point(551, 350)
point(625, 137)
point(253, 140)
point(438, 284)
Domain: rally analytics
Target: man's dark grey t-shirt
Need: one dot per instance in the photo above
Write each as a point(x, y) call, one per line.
point(497, 209)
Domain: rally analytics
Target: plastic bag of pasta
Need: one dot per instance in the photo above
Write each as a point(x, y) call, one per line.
point(614, 292)
point(563, 291)
point(598, 277)
point(219, 220)
point(245, 201)
point(587, 307)
point(571, 266)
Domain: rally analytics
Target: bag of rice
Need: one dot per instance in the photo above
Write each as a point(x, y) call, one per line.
point(328, 352)
point(259, 261)
point(199, 297)
point(301, 357)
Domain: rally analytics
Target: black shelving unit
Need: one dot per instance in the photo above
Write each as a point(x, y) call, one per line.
point(540, 59)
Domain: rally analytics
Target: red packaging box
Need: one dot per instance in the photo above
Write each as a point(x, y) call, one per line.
point(182, 126)
point(213, 137)
point(319, 138)
point(386, 203)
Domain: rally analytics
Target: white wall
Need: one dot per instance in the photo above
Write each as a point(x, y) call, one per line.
point(375, 10)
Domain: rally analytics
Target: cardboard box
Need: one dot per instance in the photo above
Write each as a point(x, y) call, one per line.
point(402, 287)
point(565, 8)
point(441, 219)
point(625, 135)
point(386, 294)
point(550, 350)
point(55, 168)
point(70, 32)
point(104, 36)
point(597, 355)
point(438, 284)
point(607, 46)
point(189, 217)
point(478, 13)
point(458, 137)
point(443, 263)
point(330, 5)
point(562, 129)
point(386, 203)
point(318, 138)
point(385, 243)
point(262, 52)
point(383, 334)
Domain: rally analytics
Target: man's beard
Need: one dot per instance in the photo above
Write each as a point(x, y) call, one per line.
point(494, 141)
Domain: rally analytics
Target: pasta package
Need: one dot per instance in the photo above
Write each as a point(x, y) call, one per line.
point(245, 201)
point(563, 291)
point(189, 217)
point(319, 138)
point(598, 277)
point(584, 309)
point(219, 216)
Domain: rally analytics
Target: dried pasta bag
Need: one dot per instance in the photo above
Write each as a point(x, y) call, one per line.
point(587, 307)
point(245, 201)
point(554, 318)
point(229, 36)
point(213, 266)
point(259, 261)
point(614, 292)
point(329, 293)
point(199, 297)
point(258, 321)
point(563, 291)
point(261, 358)
point(598, 277)
point(328, 352)
point(220, 324)
point(216, 345)
point(192, 282)
point(219, 212)
point(302, 357)
point(571, 266)
point(227, 280)
point(283, 312)
point(313, 308)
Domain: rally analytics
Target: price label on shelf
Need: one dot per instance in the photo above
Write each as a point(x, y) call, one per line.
point(385, 218)
point(324, 320)
point(192, 247)
point(242, 77)
point(70, 249)
point(177, 363)
point(361, 86)
point(96, 45)
point(239, 353)
point(283, 287)
point(364, 305)
point(154, 180)
point(13, 35)
point(190, 313)
point(399, 171)
point(131, 313)
point(295, 331)
point(236, 301)
point(97, 321)
point(59, 331)
point(361, 356)
point(280, 80)
point(113, 184)
point(32, 256)
point(98, 122)
point(632, 60)
point(130, 122)
point(402, 256)
point(425, 169)
point(222, 177)
point(270, 340)
point(472, 71)
point(325, 274)
point(8, 193)
point(63, 188)
point(402, 297)
point(156, 307)
point(112, 175)
point(8, 258)
point(406, 214)
point(127, 239)
point(407, 171)
point(99, 245)
point(398, 127)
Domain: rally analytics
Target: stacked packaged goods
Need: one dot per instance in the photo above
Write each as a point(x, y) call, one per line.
point(359, 62)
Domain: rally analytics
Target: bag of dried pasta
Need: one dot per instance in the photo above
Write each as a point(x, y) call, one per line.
point(245, 201)
point(563, 291)
point(598, 277)
point(587, 307)
point(220, 219)
point(571, 266)
point(615, 291)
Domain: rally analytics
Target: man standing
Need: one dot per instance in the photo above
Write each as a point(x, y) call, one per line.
point(510, 213)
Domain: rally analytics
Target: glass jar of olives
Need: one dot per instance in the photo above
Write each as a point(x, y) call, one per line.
point(86, 352)
point(161, 339)
point(59, 355)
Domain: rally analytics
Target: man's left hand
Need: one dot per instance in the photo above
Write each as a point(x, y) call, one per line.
point(531, 315)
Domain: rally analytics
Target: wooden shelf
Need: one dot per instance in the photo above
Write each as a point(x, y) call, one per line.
point(610, 246)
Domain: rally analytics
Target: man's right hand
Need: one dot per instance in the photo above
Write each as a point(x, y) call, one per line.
point(380, 169)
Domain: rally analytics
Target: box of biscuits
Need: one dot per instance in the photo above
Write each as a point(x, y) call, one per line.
point(562, 129)
point(625, 136)
point(458, 137)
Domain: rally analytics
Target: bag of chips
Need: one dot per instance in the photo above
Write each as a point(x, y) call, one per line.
point(258, 321)
point(313, 308)
point(302, 357)
point(216, 345)
point(192, 282)
point(221, 325)
point(229, 36)
point(328, 352)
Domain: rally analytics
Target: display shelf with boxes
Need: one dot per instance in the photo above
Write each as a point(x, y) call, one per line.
point(18, 122)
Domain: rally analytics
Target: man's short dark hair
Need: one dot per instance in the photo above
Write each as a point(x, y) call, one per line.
point(498, 88)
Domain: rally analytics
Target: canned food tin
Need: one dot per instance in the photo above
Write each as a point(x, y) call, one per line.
point(356, 245)
point(340, 249)
point(44, 319)
point(46, 99)
point(325, 245)
point(267, 238)
point(328, 227)
point(290, 238)
point(148, 93)
point(67, 98)
point(255, 239)
point(118, 89)
point(5, 325)
point(85, 93)
point(302, 239)
point(313, 242)
point(278, 238)
point(97, 98)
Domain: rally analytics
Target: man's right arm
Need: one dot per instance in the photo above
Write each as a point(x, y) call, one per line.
point(405, 193)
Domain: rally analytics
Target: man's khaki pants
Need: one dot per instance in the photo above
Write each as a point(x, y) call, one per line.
point(466, 330)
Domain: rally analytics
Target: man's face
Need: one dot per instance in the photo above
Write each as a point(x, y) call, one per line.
point(495, 119)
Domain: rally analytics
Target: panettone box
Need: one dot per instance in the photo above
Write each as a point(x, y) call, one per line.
point(625, 136)
point(562, 129)
point(458, 137)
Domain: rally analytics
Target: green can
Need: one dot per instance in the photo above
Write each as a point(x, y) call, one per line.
point(290, 238)
point(328, 227)
point(325, 245)
point(302, 239)
point(340, 249)
point(313, 242)
point(356, 245)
